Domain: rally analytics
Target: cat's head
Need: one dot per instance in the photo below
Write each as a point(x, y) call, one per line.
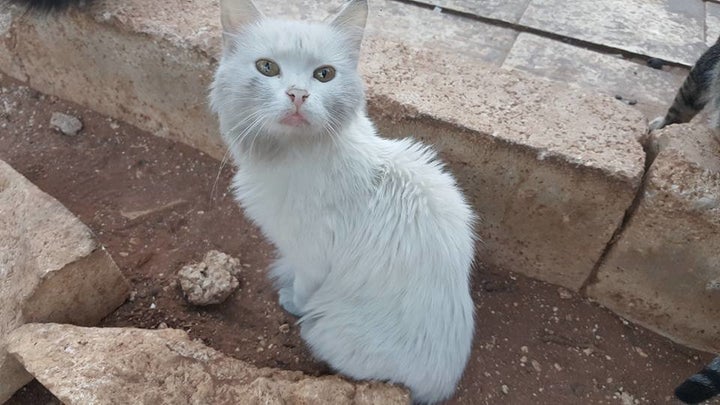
point(283, 80)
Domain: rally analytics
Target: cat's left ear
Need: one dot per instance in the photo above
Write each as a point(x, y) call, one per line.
point(351, 19)
point(235, 16)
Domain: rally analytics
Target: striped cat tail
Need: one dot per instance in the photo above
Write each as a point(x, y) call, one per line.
point(701, 386)
point(695, 92)
point(47, 5)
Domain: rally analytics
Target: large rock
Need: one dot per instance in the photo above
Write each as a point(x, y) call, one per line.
point(550, 170)
point(664, 271)
point(134, 366)
point(51, 269)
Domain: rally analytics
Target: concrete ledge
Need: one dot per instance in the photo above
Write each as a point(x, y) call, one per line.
point(664, 271)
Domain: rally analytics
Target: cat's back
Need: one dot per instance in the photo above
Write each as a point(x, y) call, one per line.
point(414, 179)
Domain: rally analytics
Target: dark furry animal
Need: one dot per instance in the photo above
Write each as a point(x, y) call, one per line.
point(701, 87)
point(48, 5)
point(701, 386)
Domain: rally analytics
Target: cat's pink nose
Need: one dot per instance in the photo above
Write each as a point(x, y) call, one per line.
point(297, 96)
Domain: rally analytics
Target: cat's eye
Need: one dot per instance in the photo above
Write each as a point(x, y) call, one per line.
point(324, 73)
point(267, 67)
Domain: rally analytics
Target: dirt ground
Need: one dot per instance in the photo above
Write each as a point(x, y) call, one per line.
point(151, 203)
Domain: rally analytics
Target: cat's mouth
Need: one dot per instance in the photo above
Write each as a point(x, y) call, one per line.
point(294, 120)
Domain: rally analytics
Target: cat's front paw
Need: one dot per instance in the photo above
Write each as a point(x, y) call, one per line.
point(656, 124)
point(287, 301)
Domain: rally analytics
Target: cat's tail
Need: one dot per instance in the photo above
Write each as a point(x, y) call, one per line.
point(701, 386)
point(47, 5)
point(695, 92)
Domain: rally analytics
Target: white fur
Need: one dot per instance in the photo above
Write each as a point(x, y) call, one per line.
point(374, 238)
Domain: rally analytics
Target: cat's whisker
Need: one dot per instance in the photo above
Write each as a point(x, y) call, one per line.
point(233, 142)
point(256, 135)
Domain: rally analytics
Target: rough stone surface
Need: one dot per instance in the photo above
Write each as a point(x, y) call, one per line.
point(140, 53)
point(652, 89)
point(673, 30)
point(664, 271)
point(397, 22)
point(134, 366)
point(51, 269)
point(212, 280)
point(505, 10)
point(712, 22)
point(67, 124)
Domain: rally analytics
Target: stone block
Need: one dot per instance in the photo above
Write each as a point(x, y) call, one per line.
point(505, 10)
point(712, 22)
point(149, 65)
point(670, 30)
point(51, 269)
point(610, 75)
point(664, 270)
point(135, 366)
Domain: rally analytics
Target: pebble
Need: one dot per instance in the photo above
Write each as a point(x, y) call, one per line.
point(210, 281)
point(67, 124)
point(284, 328)
point(564, 294)
point(505, 390)
point(656, 63)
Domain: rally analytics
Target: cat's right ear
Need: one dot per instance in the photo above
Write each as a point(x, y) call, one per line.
point(235, 16)
point(351, 19)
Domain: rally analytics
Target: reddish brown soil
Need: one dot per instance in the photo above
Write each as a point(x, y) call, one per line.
point(534, 343)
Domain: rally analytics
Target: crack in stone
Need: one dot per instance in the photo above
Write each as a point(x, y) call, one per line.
point(605, 49)
point(651, 153)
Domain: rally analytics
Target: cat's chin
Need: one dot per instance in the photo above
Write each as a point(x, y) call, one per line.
point(294, 120)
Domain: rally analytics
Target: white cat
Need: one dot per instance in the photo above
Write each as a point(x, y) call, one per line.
point(374, 238)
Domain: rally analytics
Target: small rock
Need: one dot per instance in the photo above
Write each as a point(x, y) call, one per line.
point(640, 352)
point(215, 258)
point(284, 328)
point(656, 63)
point(564, 294)
point(67, 124)
point(210, 281)
point(627, 101)
point(536, 365)
point(524, 349)
point(505, 390)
